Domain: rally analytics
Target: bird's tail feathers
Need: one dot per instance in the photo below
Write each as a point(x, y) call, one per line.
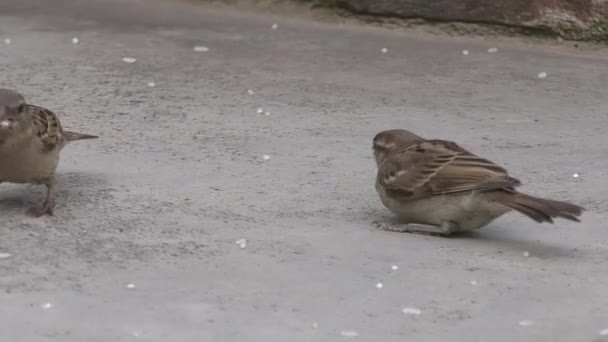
point(71, 136)
point(541, 209)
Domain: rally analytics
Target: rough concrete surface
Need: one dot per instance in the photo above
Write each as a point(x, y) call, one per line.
point(178, 176)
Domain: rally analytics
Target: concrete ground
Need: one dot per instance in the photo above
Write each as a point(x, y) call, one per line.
point(178, 176)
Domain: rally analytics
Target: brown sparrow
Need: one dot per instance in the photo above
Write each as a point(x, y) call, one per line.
point(31, 138)
point(436, 186)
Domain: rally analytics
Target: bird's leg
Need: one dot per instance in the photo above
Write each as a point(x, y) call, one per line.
point(446, 228)
point(49, 203)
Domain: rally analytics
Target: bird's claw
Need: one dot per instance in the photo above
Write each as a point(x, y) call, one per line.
point(45, 209)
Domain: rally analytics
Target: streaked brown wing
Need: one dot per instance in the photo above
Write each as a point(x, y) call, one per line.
point(46, 125)
point(440, 167)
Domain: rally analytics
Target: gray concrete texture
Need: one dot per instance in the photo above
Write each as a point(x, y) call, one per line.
point(178, 177)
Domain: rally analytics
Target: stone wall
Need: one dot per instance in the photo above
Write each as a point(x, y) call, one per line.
point(571, 19)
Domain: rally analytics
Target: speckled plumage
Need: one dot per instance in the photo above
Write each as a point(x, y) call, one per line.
point(31, 139)
point(439, 187)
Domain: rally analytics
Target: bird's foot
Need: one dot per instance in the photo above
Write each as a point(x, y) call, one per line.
point(443, 230)
point(45, 209)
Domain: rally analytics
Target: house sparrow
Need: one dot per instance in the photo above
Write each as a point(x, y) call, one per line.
point(31, 138)
point(436, 186)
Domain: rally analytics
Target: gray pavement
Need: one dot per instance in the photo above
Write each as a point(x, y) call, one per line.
point(178, 176)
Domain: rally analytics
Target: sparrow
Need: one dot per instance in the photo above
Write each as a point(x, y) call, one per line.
point(31, 138)
point(435, 186)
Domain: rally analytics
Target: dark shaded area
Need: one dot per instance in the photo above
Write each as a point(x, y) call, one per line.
point(570, 19)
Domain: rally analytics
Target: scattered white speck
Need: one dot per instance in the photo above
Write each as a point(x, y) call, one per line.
point(542, 75)
point(604, 332)
point(130, 286)
point(394, 267)
point(267, 113)
point(242, 243)
point(349, 333)
point(5, 255)
point(526, 254)
point(47, 306)
point(384, 50)
point(575, 175)
point(151, 84)
point(129, 60)
point(275, 26)
point(465, 52)
point(315, 325)
point(266, 157)
point(75, 40)
point(250, 92)
point(492, 50)
point(7, 41)
point(201, 49)
point(260, 110)
point(526, 323)
point(474, 282)
point(136, 333)
point(379, 285)
point(411, 311)
point(5, 123)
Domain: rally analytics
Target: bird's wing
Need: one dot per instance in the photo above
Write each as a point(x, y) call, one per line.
point(437, 167)
point(46, 126)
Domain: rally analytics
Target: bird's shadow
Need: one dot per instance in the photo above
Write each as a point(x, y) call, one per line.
point(500, 237)
point(503, 239)
point(15, 197)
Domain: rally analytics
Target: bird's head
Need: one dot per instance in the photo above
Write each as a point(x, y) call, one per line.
point(11, 119)
point(388, 141)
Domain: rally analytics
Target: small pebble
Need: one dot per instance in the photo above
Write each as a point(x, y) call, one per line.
point(7, 41)
point(384, 50)
point(201, 49)
point(604, 332)
point(267, 113)
point(526, 254)
point(492, 50)
point(275, 26)
point(465, 52)
point(4, 123)
point(411, 311)
point(474, 282)
point(526, 323)
point(349, 333)
point(379, 285)
point(5, 255)
point(129, 60)
point(242, 243)
point(47, 306)
point(260, 111)
point(575, 175)
point(130, 286)
point(75, 40)
point(394, 267)
point(266, 157)
point(315, 325)
point(151, 84)
point(250, 92)
point(542, 75)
